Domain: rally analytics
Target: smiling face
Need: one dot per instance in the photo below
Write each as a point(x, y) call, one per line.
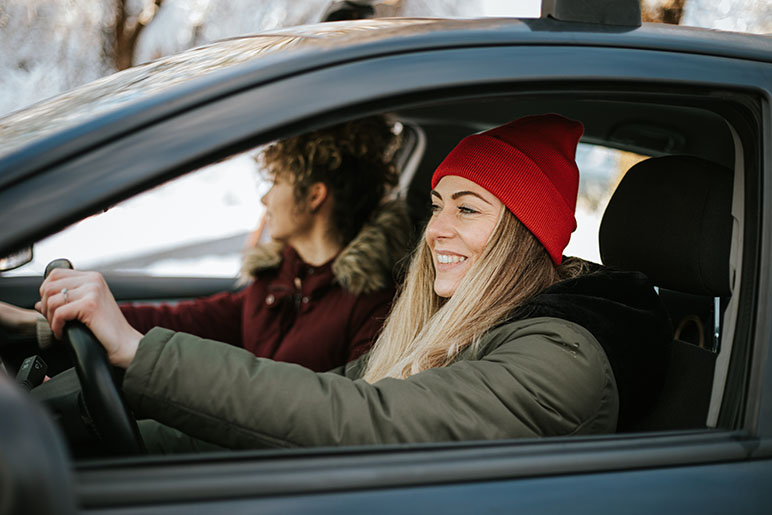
point(463, 218)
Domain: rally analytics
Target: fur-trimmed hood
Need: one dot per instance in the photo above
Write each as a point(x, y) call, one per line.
point(366, 264)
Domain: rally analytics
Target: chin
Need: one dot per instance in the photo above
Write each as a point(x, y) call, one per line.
point(444, 290)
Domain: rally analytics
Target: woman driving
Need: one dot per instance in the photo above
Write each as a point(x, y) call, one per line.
point(494, 334)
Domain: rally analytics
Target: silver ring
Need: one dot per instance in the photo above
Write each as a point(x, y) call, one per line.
point(64, 292)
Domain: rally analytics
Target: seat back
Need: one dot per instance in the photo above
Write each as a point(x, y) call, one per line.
point(670, 218)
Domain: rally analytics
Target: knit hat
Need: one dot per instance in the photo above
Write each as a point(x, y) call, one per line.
point(529, 165)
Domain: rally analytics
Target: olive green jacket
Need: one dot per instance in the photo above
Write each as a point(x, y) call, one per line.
point(541, 376)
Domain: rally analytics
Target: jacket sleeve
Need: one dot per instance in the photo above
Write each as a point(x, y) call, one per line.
point(218, 316)
point(544, 378)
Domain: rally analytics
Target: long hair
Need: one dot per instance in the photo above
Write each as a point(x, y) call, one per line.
point(426, 331)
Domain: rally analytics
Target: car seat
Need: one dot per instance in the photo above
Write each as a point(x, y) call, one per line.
point(670, 218)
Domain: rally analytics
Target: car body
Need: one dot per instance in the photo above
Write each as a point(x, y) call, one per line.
point(654, 90)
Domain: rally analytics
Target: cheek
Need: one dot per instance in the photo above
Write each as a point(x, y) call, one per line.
point(478, 239)
point(476, 249)
point(428, 239)
point(284, 203)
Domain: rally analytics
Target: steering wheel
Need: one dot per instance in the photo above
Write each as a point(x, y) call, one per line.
point(111, 417)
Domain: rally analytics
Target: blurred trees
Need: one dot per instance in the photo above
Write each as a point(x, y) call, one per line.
point(662, 11)
point(50, 46)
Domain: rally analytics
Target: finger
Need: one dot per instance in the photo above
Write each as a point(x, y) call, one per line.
point(58, 273)
point(47, 290)
point(51, 291)
point(52, 299)
point(56, 280)
point(62, 314)
point(53, 303)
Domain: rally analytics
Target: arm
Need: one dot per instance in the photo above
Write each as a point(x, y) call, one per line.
point(19, 320)
point(530, 385)
point(543, 376)
point(217, 316)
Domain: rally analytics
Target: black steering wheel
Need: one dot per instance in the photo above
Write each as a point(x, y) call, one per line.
point(106, 407)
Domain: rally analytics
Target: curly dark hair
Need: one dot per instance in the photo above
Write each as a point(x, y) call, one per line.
point(353, 159)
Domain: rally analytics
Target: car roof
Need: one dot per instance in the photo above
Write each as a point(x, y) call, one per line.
point(179, 81)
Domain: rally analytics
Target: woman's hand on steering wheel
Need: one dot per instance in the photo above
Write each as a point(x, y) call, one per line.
point(73, 295)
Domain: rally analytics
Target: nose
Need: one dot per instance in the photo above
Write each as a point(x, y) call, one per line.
point(264, 198)
point(440, 225)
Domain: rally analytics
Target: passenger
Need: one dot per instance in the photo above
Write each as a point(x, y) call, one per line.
point(494, 334)
point(320, 292)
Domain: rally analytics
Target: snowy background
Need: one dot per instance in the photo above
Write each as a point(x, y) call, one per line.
point(50, 46)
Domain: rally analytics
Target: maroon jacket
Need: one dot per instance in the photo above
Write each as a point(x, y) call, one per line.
point(319, 317)
point(297, 313)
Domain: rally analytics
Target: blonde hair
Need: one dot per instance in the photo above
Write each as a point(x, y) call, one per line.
point(426, 331)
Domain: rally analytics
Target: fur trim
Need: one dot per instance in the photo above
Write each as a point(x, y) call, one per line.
point(366, 264)
point(262, 256)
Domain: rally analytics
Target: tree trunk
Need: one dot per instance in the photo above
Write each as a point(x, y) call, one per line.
point(128, 27)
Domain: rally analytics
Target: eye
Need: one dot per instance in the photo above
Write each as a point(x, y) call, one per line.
point(467, 210)
point(435, 207)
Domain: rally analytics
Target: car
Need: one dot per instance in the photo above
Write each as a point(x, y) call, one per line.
point(695, 100)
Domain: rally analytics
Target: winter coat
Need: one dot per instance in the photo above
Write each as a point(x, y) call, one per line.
point(319, 317)
point(532, 375)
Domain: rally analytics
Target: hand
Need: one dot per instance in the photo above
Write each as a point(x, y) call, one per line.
point(73, 295)
point(19, 320)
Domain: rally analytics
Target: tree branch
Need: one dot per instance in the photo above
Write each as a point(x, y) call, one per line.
point(127, 31)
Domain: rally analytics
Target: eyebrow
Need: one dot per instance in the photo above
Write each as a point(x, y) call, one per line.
point(459, 194)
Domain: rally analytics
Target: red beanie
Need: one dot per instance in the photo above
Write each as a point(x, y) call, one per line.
point(529, 165)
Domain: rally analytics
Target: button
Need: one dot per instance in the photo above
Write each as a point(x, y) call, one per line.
point(305, 300)
point(270, 299)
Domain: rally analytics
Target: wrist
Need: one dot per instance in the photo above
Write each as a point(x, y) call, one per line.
point(27, 322)
point(125, 354)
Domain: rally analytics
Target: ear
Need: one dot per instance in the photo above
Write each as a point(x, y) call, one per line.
point(317, 194)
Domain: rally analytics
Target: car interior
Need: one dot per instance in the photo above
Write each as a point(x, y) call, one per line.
point(679, 202)
point(684, 200)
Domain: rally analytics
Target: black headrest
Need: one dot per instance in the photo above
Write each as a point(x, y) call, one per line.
point(670, 218)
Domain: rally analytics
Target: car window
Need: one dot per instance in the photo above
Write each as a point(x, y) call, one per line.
point(199, 224)
point(600, 170)
point(196, 225)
